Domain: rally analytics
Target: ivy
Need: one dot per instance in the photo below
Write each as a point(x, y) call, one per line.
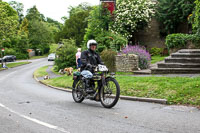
point(171, 13)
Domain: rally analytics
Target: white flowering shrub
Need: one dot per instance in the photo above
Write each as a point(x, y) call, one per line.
point(132, 15)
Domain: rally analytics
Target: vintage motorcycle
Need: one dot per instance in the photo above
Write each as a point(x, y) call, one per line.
point(105, 86)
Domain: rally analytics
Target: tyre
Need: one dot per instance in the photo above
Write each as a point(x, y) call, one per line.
point(110, 93)
point(77, 91)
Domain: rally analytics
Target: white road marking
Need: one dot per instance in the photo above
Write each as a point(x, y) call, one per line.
point(35, 120)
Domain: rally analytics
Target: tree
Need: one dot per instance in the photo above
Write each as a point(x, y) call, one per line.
point(171, 13)
point(81, 7)
point(131, 16)
point(97, 23)
point(39, 34)
point(8, 21)
point(75, 25)
point(196, 23)
point(19, 7)
point(34, 14)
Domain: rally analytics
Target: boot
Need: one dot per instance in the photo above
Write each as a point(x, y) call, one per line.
point(88, 87)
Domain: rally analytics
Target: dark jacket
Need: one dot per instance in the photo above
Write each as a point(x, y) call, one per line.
point(89, 58)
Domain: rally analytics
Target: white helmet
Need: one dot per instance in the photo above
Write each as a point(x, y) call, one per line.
point(91, 42)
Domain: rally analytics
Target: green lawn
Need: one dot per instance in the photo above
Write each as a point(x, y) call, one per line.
point(38, 57)
point(177, 90)
point(11, 65)
point(41, 71)
point(155, 59)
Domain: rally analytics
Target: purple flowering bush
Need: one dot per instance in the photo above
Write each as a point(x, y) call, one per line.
point(144, 56)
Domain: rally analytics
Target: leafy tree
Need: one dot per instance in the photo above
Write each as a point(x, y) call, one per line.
point(196, 23)
point(19, 7)
point(54, 22)
point(131, 16)
point(97, 23)
point(8, 22)
point(24, 26)
point(75, 25)
point(81, 7)
point(39, 34)
point(34, 14)
point(170, 13)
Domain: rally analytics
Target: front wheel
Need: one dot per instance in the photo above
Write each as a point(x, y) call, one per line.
point(77, 91)
point(110, 93)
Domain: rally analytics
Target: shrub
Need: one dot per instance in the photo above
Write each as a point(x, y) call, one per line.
point(144, 56)
point(10, 51)
point(108, 57)
point(66, 55)
point(156, 51)
point(180, 40)
point(22, 55)
point(132, 15)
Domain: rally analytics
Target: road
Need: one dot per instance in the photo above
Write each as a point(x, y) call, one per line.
point(29, 107)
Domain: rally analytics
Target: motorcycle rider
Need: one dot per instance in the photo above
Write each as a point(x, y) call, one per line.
point(89, 59)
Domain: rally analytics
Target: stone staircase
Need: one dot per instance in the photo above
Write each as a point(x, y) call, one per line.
point(185, 61)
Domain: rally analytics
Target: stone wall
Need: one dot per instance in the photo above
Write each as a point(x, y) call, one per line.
point(150, 37)
point(126, 63)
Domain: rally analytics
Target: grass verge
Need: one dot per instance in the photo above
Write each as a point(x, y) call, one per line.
point(38, 57)
point(41, 71)
point(11, 65)
point(177, 90)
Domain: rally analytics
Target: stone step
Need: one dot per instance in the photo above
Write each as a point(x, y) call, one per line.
point(175, 70)
point(182, 60)
point(189, 51)
point(178, 65)
point(185, 55)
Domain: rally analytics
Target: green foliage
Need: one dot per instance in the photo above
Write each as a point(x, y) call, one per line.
point(74, 27)
point(108, 57)
point(53, 48)
point(156, 51)
point(81, 7)
point(196, 23)
point(171, 13)
point(97, 23)
point(66, 55)
point(131, 16)
point(34, 14)
point(19, 7)
point(21, 55)
point(39, 34)
point(10, 51)
point(180, 40)
point(8, 22)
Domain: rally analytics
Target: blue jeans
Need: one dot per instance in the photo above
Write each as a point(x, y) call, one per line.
point(86, 74)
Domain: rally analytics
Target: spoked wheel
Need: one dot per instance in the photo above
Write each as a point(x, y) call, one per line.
point(110, 93)
point(77, 91)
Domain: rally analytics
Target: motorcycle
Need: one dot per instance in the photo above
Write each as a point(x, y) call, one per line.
point(105, 87)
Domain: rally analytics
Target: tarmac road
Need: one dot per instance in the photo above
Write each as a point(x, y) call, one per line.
point(29, 107)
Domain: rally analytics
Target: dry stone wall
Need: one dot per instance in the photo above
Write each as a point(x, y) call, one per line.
point(126, 63)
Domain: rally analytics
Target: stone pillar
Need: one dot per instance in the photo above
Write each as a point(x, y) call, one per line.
point(127, 63)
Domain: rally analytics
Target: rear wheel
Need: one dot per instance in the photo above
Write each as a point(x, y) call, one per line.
point(77, 91)
point(110, 93)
